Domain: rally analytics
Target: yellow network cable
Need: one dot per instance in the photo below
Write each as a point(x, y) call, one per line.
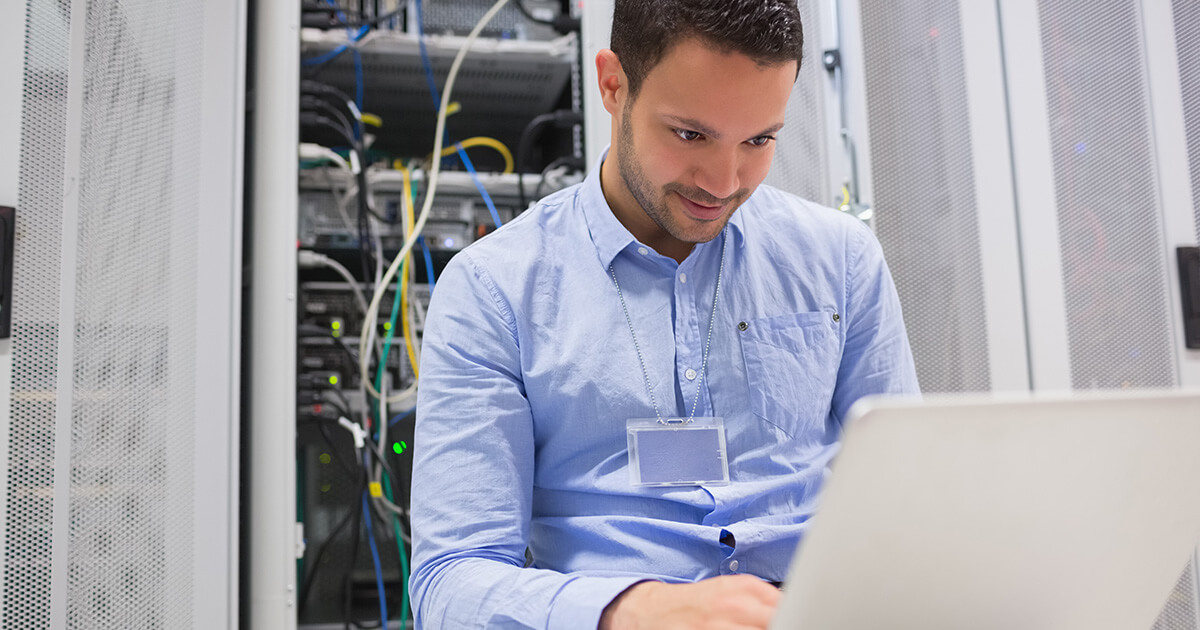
point(406, 176)
point(484, 141)
point(427, 205)
point(372, 119)
point(408, 340)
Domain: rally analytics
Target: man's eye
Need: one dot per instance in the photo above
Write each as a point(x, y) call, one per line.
point(688, 135)
point(761, 140)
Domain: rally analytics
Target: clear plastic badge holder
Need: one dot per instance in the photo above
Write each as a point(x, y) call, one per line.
point(677, 452)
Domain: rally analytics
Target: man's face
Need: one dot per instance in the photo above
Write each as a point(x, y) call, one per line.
point(696, 142)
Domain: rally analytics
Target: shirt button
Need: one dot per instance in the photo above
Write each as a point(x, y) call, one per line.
point(733, 565)
point(683, 277)
point(643, 251)
point(690, 374)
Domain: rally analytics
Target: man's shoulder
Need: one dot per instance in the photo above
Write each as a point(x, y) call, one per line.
point(776, 214)
point(527, 239)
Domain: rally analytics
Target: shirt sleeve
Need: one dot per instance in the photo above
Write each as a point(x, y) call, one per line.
point(877, 358)
point(472, 480)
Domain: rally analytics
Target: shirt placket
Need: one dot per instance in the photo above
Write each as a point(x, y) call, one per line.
point(689, 343)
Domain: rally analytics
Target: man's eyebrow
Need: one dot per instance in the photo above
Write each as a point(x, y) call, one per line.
point(695, 125)
point(769, 131)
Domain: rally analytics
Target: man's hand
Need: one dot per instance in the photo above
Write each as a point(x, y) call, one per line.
point(728, 601)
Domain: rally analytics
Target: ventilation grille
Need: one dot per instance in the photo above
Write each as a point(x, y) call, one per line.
point(1179, 613)
point(36, 262)
point(924, 194)
point(1187, 39)
point(801, 164)
point(1110, 230)
point(460, 16)
point(132, 417)
point(133, 400)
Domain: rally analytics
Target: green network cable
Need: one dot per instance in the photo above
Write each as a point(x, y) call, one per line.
point(387, 484)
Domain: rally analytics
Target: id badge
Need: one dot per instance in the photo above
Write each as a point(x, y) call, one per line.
point(677, 452)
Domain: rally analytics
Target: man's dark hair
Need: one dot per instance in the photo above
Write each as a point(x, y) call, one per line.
point(767, 31)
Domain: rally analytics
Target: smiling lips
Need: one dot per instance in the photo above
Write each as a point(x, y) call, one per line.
point(702, 212)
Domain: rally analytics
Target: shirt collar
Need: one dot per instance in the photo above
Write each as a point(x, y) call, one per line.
point(608, 234)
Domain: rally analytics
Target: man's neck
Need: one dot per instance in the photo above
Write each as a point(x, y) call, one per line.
point(629, 212)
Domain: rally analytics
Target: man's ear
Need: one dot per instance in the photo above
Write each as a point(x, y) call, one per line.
point(614, 86)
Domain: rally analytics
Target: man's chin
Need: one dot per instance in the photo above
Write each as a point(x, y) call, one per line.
point(702, 233)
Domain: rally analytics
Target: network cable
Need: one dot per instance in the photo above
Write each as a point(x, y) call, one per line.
point(487, 199)
point(428, 263)
point(373, 309)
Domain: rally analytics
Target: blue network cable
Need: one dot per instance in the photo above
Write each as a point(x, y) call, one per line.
point(398, 417)
point(320, 59)
point(383, 614)
point(433, 90)
point(428, 262)
point(478, 184)
point(437, 100)
point(358, 87)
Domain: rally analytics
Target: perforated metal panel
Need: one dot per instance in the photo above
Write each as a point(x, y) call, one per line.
point(1110, 232)
point(924, 196)
point(801, 164)
point(30, 465)
point(129, 544)
point(133, 402)
point(1109, 216)
point(1179, 613)
point(460, 16)
point(1187, 40)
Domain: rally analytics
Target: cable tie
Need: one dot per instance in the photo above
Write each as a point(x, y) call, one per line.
point(376, 489)
point(356, 430)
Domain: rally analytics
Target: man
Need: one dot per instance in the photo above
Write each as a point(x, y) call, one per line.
point(666, 290)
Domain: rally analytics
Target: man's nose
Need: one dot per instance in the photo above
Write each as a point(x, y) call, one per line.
point(718, 174)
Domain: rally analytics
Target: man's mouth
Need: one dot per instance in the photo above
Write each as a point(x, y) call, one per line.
point(701, 211)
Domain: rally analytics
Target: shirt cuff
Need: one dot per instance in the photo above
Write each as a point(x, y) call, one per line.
point(581, 601)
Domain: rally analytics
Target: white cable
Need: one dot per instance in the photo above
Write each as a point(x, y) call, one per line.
point(380, 289)
point(306, 258)
point(368, 330)
point(355, 429)
point(313, 151)
point(343, 202)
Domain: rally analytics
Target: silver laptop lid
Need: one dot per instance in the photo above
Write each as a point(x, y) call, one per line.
point(1065, 512)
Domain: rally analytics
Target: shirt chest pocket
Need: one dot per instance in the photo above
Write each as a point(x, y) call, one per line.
point(791, 369)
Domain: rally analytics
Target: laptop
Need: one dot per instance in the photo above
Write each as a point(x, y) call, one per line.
point(1065, 512)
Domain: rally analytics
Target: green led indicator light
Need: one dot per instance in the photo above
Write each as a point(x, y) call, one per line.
point(387, 325)
point(325, 458)
point(399, 447)
point(326, 487)
point(336, 325)
point(333, 380)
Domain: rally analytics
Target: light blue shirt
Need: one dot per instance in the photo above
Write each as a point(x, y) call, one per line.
point(529, 373)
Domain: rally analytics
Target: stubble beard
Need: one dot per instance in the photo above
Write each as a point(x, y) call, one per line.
point(654, 206)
